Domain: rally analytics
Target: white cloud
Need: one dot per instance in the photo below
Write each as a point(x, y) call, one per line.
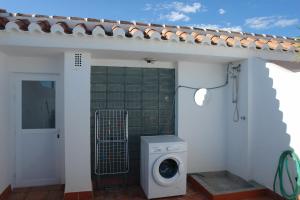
point(222, 11)
point(175, 6)
point(259, 22)
point(186, 8)
point(286, 22)
point(232, 28)
point(270, 22)
point(148, 7)
point(175, 16)
point(175, 10)
point(218, 27)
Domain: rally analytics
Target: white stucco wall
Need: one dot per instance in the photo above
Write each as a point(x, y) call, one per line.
point(204, 128)
point(77, 124)
point(274, 121)
point(18, 64)
point(5, 154)
point(237, 136)
point(249, 148)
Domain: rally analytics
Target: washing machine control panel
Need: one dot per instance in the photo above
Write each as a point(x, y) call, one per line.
point(156, 150)
point(167, 148)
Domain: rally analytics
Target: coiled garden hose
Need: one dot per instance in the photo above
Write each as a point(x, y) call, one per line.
point(284, 163)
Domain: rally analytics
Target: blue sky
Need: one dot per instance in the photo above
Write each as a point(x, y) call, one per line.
point(277, 17)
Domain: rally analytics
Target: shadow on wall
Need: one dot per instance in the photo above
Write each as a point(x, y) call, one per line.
point(274, 110)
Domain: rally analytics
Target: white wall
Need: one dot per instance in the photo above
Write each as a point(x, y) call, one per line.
point(274, 117)
point(249, 148)
point(5, 154)
point(17, 64)
point(77, 124)
point(204, 128)
point(237, 137)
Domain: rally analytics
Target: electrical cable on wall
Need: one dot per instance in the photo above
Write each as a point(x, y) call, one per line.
point(235, 71)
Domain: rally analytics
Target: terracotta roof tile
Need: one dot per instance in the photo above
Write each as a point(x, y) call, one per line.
point(229, 40)
point(197, 28)
point(185, 36)
point(98, 30)
point(270, 36)
point(41, 16)
point(167, 34)
point(118, 31)
point(248, 34)
point(135, 32)
point(170, 26)
point(296, 46)
point(156, 25)
point(289, 38)
point(287, 46)
point(110, 21)
point(152, 33)
point(3, 11)
point(83, 26)
point(77, 18)
point(273, 44)
point(260, 35)
point(235, 32)
point(141, 24)
point(245, 42)
point(213, 38)
point(45, 26)
point(65, 27)
point(185, 27)
point(23, 15)
point(140, 30)
point(3, 22)
point(182, 35)
point(59, 17)
point(223, 31)
point(261, 44)
point(23, 24)
point(93, 20)
point(126, 22)
point(202, 39)
point(211, 30)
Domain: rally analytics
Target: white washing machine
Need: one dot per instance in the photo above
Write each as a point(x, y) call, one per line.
point(163, 166)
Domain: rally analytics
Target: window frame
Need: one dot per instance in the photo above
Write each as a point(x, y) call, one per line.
point(34, 77)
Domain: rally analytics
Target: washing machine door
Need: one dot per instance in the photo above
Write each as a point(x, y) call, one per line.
point(167, 169)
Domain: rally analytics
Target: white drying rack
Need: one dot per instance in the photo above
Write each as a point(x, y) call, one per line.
point(111, 142)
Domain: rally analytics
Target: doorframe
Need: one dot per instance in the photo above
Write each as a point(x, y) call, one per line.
point(15, 104)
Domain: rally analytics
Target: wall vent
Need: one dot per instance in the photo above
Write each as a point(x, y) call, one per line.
point(78, 60)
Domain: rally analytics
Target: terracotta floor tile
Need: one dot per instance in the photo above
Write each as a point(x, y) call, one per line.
point(259, 198)
point(24, 189)
point(55, 195)
point(17, 196)
point(190, 190)
point(56, 192)
point(55, 187)
point(37, 195)
point(39, 188)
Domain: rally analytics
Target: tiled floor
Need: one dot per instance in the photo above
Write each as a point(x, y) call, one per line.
point(136, 193)
point(56, 192)
point(53, 192)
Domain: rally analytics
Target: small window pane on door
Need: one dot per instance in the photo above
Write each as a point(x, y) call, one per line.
point(38, 104)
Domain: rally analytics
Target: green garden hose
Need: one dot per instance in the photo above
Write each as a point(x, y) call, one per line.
point(284, 163)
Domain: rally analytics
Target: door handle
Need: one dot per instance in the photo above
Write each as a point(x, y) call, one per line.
point(58, 134)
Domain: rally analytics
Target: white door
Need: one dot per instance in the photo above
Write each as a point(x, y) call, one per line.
point(37, 131)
